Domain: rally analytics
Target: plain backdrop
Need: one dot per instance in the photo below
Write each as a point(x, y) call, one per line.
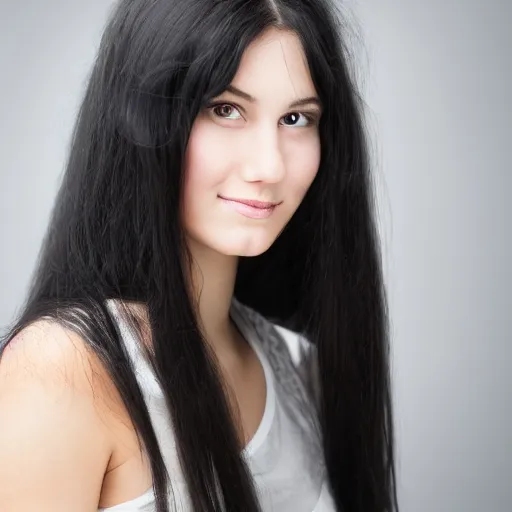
point(436, 77)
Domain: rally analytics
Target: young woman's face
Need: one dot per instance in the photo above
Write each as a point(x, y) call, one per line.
point(253, 145)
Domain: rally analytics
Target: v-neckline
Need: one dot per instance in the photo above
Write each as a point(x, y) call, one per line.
point(250, 335)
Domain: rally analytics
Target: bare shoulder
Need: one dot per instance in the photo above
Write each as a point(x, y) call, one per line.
point(46, 358)
point(55, 444)
point(45, 350)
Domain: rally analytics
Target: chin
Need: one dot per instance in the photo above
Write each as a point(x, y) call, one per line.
point(253, 246)
point(246, 251)
point(234, 242)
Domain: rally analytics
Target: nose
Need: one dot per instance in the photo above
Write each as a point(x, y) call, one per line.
point(262, 158)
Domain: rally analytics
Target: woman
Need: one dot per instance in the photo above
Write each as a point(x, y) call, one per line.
point(217, 186)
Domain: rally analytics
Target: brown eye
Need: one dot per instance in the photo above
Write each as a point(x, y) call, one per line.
point(224, 110)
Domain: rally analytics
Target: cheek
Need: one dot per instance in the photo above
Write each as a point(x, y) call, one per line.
point(203, 161)
point(197, 152)
point(303, 166)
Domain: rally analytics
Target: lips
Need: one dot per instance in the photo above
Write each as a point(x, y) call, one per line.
point(250, 208)
point(251, 202)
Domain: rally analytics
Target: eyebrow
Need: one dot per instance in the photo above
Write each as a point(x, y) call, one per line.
point(297, 103)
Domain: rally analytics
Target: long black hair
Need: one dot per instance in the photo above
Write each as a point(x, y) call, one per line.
point(115, 233)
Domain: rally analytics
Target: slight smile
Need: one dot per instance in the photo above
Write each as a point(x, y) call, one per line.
point(251, 208)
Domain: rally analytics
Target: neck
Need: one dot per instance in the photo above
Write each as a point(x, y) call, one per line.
point(213, 278)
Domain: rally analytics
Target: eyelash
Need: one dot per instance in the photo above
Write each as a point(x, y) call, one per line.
point(312, 118)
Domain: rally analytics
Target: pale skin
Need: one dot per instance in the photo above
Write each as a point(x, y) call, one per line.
point(66, 440)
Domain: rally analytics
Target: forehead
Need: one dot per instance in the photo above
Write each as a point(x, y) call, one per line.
point(274, 64)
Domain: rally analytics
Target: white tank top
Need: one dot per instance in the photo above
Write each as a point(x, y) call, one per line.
point(285, 455)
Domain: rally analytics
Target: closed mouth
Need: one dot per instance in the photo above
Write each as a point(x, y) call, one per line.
point(262, 205)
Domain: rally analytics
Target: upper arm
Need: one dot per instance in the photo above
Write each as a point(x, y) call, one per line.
point(54, 442)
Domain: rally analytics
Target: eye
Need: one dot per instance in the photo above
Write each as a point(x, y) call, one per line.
point(224, 110)
point(294, 118)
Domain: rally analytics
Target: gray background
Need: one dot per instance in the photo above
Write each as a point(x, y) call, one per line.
point(437, 79)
